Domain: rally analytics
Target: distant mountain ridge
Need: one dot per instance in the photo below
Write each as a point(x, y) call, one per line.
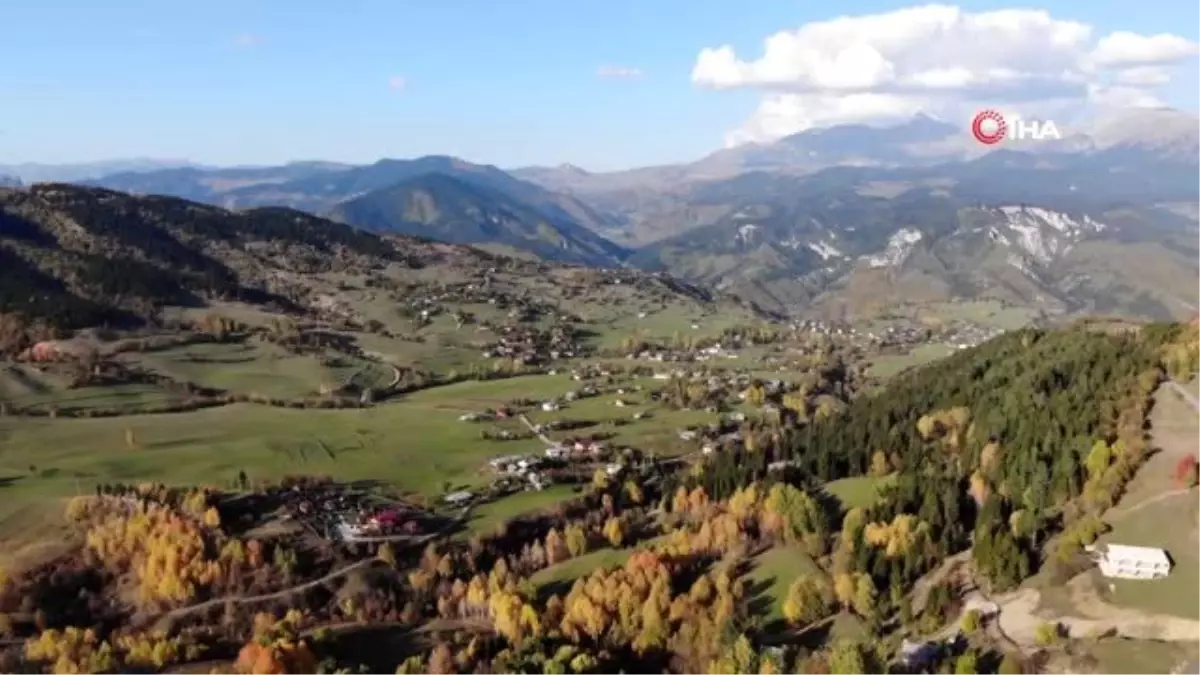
point(767, 218)
point(322, 188)
point(450, 209)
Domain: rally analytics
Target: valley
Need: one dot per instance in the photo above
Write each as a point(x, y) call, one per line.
point(830, 403)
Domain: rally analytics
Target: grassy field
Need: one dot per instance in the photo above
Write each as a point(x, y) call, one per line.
point(890, 364)
point(25, 386)
point(1169, 524)
point(253, 367)
point(857, 492)
point(1141, 656)
point(415, 443)
point(676, 320)
point(984, 312)
point(568, 571)
point(773, 573)
point(487, 517)
point(1150, 514)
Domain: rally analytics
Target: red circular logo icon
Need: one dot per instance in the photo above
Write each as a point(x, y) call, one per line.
point(989, 127)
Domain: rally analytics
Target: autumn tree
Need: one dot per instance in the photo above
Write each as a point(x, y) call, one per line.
point(614, 531)
point(796, 516)
point(1047, 633)
point(556, 548)
point(809, 598)
point(864, 596)
point(634, 492)
point(1098, 459)
point(879, 464)
point(967, 663)
point(441, 660)
point(1187, 471)
point(847, 656)
point(896, 538)
point(970, 621)
point(387, 554)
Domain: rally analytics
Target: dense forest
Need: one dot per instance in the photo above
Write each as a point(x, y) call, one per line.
point(1005, 445)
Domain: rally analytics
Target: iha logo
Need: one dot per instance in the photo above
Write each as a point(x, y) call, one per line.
point(990, 127)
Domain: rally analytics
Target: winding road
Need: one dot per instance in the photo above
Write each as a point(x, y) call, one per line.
point(174, 614)
point(178, 612)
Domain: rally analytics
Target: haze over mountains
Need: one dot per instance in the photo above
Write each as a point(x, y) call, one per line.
point(840, 218)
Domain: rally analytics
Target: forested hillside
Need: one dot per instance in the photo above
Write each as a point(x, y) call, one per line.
point(78, 256)
point(1004, 445)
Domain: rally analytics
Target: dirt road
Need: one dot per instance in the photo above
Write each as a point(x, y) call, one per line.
point(1185, 394)
point(1019, 620)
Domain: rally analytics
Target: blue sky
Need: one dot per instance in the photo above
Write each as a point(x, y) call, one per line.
point(506, 82)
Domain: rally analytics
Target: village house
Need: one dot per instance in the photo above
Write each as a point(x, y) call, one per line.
point(460, 497)
point(1119, 561)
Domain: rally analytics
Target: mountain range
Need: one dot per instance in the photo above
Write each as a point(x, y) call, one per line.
point(74, 256)
point(841, 218)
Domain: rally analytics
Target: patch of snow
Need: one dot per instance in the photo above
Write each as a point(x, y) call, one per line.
point(998, 236)
point(1042, 233)
point(825, 250)
point(898, 247)
point(745, 232)
point(1021, 264)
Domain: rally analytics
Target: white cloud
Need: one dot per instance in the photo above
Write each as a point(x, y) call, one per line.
point(1143, 77)
point(1117, 96)
point(781, 114)
point(1124, 49)
point(619, 72)
point(937, 58)
point(397, 83)
point(247, 40)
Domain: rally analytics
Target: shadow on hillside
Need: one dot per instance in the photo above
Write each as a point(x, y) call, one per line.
point(379, 648)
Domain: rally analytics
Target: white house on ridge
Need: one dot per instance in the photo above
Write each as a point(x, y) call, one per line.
point(1130, 562)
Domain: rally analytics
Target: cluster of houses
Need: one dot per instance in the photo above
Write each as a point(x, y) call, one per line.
point(672, 355)
point(523, 468)
point(531, 345)
point(725, 433)
point(958, 335)
point(337, 513)
point(905, 334)
point(368, 525)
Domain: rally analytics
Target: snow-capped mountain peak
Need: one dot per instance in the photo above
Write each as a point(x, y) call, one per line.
point(1042, 234)
point(898, 248)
